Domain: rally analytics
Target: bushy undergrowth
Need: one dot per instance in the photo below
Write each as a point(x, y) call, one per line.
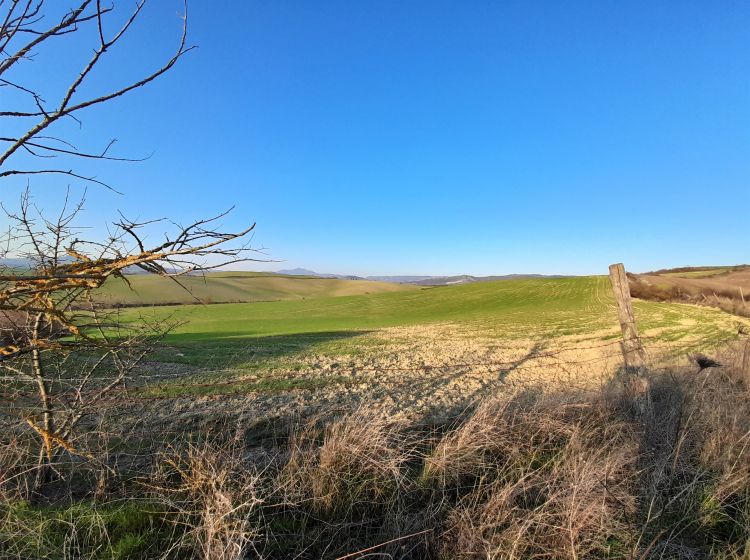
point(350, 466)
point(528, 474)
point(537, 477)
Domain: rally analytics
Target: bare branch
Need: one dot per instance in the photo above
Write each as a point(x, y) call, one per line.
point(22, 19)
point(68, 172)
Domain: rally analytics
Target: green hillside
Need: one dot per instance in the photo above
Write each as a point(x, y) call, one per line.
point(508, 309)
point(233, 287)
point(286, 345)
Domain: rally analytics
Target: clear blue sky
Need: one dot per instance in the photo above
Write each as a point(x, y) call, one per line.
point(444, 137)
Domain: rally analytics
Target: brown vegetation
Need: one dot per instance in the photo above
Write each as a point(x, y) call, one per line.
point(728, 290)
point(526, 474)
point(51, 383)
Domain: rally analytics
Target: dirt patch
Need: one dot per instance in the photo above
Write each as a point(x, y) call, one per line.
point(421, 373)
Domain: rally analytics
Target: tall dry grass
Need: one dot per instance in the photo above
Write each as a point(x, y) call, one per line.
point(526, 475)
point(212, 497)
point(537, 477)
point(354, 463)
point(728, 299)
point(695, 463)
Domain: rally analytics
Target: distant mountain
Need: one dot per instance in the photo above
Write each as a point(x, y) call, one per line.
point(298, 272)
point(399, 279)
point(26, 264)
point(467, 279)
point(23, 262)
point(16, 263)
point(417, 280)
point(445, 280)
point(307, 272)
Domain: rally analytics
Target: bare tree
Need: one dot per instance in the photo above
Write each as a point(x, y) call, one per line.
point(61, 353)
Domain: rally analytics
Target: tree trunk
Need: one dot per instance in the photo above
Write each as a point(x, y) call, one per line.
point(46, 452)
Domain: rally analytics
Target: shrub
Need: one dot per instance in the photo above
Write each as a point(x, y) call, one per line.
point(529, 474)
point(549, 478)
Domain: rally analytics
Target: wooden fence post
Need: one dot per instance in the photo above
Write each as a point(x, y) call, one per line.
point(632, 348)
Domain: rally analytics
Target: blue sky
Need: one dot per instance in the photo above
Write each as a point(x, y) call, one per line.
point(440, 137)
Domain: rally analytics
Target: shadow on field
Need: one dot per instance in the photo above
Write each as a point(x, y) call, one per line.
point(447, 380)
point(242, 349)
point(533, 353)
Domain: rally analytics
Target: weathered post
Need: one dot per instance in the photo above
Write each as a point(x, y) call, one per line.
point(632, 348)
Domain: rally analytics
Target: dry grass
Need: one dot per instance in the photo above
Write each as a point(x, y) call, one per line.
point(723, 291)
point(546, 478)
point(361, 461)
point(527, 475)
point(212, 496)
point(115, 531)
point(695, 461)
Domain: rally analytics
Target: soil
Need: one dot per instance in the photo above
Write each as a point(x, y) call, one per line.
point(423, 373)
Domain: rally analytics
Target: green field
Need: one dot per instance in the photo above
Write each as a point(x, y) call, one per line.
point(147, 289)
point(512, 307)
point(508, 308)
point(287, 343)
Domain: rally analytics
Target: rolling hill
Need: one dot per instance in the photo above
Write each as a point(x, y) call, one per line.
point(430, 280)
point(511, 309)
point(232, 287)
point(725, 287)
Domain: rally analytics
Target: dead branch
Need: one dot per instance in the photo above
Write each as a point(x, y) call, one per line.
point(22, 35)
point(58, 344)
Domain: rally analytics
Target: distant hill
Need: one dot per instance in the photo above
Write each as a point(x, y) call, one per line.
point(16, 263)
point(301, 272)
point(459, 279)
point(698, 271)
point(307, 272)
point(230, 287)
point(27, 264)
point(725, 287)
point(400, 279)
point(424, 280)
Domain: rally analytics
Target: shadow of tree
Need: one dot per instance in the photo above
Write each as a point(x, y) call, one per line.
point(533, 353)
point(240, 350)
point(413, 387)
